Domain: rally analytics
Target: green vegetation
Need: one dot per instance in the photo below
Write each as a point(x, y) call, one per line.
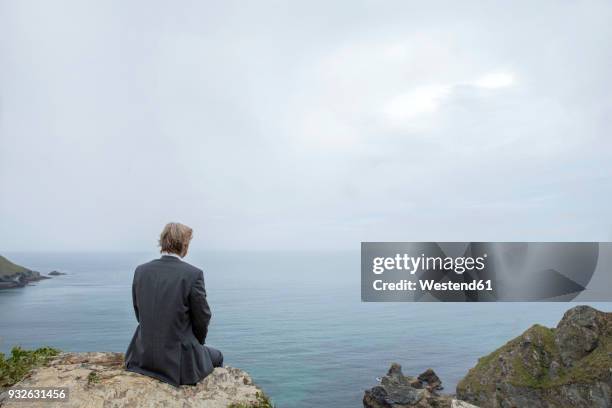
point(529, 358)
point(589, 369)
point(531, 368)
point(594, 367)
point(20, 362)
point(262, 402)
point(529, 355)
point(93, 378)
point(7, 268)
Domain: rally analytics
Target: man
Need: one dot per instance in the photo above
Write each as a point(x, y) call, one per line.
point(173, 315)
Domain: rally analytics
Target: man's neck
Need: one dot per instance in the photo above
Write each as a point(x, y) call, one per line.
point(171, 254)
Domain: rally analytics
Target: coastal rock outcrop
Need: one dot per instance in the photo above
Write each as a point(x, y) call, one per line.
point(399, 391)
point(15, 276)
point(97, 380)
point(568, 366)
point(56, 273)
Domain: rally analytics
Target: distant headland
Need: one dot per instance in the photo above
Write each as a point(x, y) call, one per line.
point(17, 276)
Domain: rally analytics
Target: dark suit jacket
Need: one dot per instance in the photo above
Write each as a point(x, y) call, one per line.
point(173, 314)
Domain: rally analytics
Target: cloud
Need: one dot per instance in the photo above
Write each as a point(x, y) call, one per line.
point(403, 109)
point(303, 125)
point(421, 100)
point(496, 80)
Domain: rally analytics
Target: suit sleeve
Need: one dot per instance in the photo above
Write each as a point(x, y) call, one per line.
point(134, 302)
point(198, 306)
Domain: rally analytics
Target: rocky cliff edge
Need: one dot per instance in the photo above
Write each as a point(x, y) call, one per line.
point(566, 366)
point(98, 380)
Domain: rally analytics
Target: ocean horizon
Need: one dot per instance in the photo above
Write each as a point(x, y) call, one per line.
point(293, 320)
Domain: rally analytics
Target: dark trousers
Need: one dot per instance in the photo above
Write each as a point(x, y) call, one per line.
point(215, 356)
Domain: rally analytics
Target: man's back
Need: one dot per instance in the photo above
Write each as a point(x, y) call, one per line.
point(173, 314)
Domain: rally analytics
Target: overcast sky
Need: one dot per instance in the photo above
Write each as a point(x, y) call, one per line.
point(311, 124)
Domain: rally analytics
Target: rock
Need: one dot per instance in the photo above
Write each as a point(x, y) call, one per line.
point(580, 332)
point(16, 276)
point(56, 273)
point(461, 404)
point(569, 366)
point(430, 378)
point(21, 279)
point(399, 391)
point(97, 380)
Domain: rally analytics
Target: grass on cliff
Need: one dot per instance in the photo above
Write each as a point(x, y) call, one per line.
point(7, 268)
point(14, 367)
point(536, 373)
point(490, 367)
point(262, 402)
point(593, 367)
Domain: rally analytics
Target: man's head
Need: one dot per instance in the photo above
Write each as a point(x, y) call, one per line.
point(175, 239)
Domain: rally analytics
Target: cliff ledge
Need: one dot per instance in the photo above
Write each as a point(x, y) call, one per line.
point(99, 380)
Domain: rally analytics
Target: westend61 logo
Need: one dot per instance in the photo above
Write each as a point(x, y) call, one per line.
point(414, 264)
point(486, 271)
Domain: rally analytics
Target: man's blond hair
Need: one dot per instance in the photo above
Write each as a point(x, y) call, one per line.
point(175, 238)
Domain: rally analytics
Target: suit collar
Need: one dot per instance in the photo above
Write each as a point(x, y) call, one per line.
point(167, 257)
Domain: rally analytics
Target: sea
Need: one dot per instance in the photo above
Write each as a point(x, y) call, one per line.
point(293, 320)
